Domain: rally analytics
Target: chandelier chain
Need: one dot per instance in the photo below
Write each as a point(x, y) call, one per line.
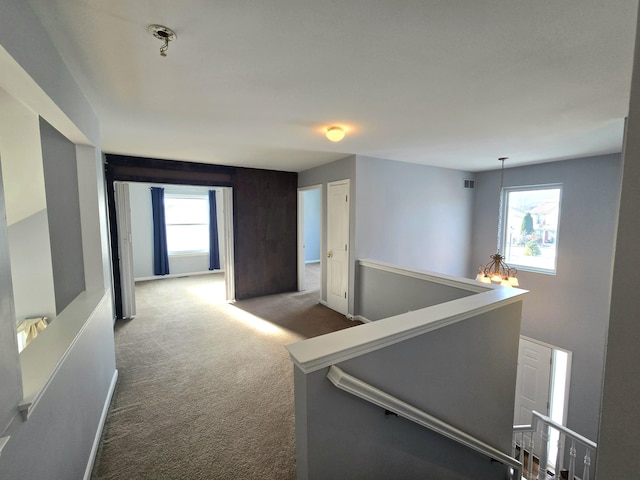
point(500, 205)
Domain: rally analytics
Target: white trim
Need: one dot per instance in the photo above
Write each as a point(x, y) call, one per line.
point(3, 443)
point(362, 319)
point(229, 253)
point(567, 386)
point(505, 214)
point(323, 302)
point(301, 246)
point(103, 418)
point(125, 246)
point(382, 399)
point(178, 275)
point(75, 311)
point(300, 233)
point(440, 278)
point(348, 247)
point(326, 350)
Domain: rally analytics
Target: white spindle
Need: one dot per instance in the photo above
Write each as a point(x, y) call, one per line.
point(572, 460)
point(587, 464)
point(541, 425)
point(559, 459)
point(544, 449)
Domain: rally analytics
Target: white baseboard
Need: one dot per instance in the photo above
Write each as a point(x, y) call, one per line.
point(323, 302)
point(362, 319)
point(103, 418)
point(176, 275)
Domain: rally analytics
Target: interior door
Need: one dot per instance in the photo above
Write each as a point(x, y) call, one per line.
point(533, 382)
point(338, 246)
point(125, 249)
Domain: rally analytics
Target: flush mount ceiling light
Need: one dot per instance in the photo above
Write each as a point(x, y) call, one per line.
point(162, 33)
point(335, 134)
point(496, 270)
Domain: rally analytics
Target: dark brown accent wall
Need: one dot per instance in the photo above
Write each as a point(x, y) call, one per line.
point(265, 217)
point(265, 206)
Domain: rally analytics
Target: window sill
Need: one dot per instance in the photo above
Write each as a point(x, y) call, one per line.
point(43, 358)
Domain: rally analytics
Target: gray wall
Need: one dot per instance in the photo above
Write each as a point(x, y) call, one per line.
point(449, 373)
point(65, 422)
point(402, 213)
point(31, 269)
point(571, 309)
point(381, 294)
point(63, 210)
point(619, 433)
point(413, 215)
point(312, 225)
point(142, 231)
point(331, 172)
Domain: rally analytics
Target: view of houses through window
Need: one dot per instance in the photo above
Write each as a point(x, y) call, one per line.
point(187, 220)
point(531, 227)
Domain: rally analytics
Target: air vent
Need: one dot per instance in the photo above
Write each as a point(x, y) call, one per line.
point(469, 183)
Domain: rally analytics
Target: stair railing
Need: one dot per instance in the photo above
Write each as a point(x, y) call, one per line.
point(393, 404)
point(540, 428)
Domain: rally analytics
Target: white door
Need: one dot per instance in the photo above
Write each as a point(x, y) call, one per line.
point(125, 249)
point(533, 381)
point(229, 259)
point(338, 246)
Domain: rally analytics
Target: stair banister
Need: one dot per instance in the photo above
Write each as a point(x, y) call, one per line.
point(367, 392)
point(537, 419)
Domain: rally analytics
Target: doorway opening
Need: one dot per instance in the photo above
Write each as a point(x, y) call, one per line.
point(310, 238)
point(542, 384)
point(187, 256)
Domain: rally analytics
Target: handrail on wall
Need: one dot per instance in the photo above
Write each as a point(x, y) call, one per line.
point(384, 400)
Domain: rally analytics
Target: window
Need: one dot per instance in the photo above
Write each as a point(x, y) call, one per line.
point(187, 220)
point(531, 234)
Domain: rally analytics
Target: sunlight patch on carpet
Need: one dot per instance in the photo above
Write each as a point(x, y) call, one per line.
point(256, 323)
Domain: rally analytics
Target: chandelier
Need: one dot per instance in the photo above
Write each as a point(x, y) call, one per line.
point(497, 271)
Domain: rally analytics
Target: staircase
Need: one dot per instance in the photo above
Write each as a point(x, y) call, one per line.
point(535, 437)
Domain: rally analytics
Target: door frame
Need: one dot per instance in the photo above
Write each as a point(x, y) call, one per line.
point(229, 258)
point(301, 243)
point(552, 382)
point(348, 291)
point(554, 349)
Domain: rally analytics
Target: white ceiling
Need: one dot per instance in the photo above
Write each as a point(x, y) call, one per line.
point(452, 83)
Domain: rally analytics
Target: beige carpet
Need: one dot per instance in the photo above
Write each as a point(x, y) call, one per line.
point(205, 389)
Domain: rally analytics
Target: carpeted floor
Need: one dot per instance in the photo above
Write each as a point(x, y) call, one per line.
point(205, 388)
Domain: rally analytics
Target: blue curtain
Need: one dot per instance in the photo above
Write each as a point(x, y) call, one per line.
point(160, 252)
point(214, 248)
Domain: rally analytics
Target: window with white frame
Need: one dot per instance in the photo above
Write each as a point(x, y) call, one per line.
point(531, 220)
point(187, 220)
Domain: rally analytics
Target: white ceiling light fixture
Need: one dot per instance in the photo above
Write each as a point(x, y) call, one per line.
point(162, 33)
point(335, 134)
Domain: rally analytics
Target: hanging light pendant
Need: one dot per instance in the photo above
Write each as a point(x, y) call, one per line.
point(497, 271)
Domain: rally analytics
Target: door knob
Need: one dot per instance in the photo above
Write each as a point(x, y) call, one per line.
point(330, 255)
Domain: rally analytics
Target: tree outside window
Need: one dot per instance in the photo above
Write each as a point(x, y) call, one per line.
point(531, 235)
